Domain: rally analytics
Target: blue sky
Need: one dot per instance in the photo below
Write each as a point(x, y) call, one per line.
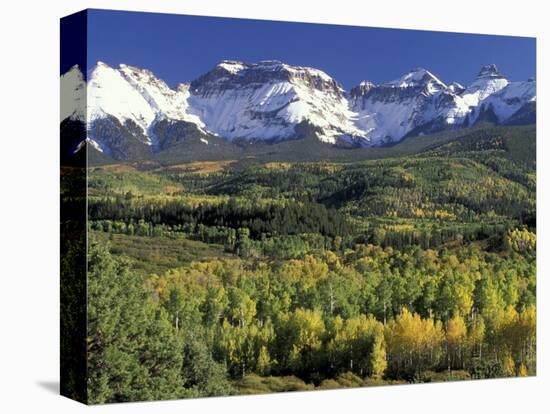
point(180, 48)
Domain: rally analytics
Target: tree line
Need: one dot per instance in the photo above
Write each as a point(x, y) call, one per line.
point(287, 218)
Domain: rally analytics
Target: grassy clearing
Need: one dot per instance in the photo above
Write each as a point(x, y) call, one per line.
point(158, 254)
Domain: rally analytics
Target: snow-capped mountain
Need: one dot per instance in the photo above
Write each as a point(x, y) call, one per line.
point(389, 111)
point(489, 81)
point(265, 101)
point(129, 112)
point(73, 95)
point(136, 97)
point(419, 103)
point(510, 99)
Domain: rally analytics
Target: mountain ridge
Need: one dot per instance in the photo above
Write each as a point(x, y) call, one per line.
point(269, 100)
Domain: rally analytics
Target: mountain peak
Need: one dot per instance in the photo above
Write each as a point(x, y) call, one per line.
point(232, 66)
point(229, 74)
point(417, 77)
point(100, 68)
point(366, 83)
point(362, 89)
point(489, 71)
point(418, 69)
point(270, 62)
point(137, 73)
point(134, 68)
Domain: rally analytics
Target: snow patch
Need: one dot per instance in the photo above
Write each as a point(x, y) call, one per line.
point(231, 66)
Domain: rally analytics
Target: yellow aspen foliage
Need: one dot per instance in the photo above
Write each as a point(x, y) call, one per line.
point(456, 335)
point(413, 343)
point(521, 241)
point(456, 331)
point(264, 361)
point(306, 271)
point(522, 371)
point(476, 334)
point(359, 345)
point(508, 366)
point(378, 356)
point(308, 328)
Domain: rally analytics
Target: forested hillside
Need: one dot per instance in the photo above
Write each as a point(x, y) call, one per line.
point(267, 273)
